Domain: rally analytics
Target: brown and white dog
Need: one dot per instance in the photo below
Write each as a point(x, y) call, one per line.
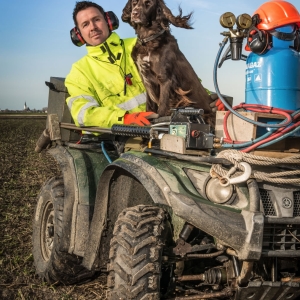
point(169, 79)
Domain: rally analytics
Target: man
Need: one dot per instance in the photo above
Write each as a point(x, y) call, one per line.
point(104, 86)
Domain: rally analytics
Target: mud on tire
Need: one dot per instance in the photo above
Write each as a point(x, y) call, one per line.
point(142, 238)
point(51, 264)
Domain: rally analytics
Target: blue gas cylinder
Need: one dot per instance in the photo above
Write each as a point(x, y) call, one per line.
point(273, 78)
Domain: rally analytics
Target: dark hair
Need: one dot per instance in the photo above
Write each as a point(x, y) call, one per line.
point(84, 5)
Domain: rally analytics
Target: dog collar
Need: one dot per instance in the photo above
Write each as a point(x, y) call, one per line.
point(151, 37)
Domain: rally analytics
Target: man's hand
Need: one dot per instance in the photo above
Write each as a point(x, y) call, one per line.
point(140, 118)
point(216, 104)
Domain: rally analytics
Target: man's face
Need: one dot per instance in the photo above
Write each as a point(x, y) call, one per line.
point(92, 26)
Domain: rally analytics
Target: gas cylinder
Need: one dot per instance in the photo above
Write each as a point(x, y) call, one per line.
point(273, 78)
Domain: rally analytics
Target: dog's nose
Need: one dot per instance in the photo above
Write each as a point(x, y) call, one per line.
point(135, 13)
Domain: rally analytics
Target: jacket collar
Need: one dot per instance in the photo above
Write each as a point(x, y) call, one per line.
point(113, 42)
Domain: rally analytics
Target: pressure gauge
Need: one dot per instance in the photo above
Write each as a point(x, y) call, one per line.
point(227, 20)
point(244, 21)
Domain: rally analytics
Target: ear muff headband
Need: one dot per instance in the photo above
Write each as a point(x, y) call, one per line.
point(297, 41)
point(283, 35)
point(108, 21)
point(112, 23)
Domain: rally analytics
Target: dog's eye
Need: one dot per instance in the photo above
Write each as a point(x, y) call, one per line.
point(134, 3)
point(147, 3)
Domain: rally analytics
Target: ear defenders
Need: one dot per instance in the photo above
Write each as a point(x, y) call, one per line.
point(112, 23)
point(260, 41)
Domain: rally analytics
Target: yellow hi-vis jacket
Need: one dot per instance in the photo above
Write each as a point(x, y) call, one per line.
point(96, 84)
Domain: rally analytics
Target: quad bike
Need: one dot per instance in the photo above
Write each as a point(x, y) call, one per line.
point(150, 207)
point(156, 220)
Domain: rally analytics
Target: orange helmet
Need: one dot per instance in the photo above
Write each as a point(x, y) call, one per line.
point(275, 14)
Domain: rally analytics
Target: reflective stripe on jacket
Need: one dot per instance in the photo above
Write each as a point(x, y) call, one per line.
point(96, 84)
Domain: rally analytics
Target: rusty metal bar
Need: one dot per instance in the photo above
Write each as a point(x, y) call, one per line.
point(209, 255)
point(191, 277)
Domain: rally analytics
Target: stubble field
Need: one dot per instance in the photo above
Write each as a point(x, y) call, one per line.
point(22, 174)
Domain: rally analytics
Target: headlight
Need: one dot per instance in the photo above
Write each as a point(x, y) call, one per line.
point(210, 188)
point(217, 193)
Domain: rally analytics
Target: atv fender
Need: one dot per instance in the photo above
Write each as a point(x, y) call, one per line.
point(126, 182)
point(140, 173)
point(64, 160)
point(81, 170)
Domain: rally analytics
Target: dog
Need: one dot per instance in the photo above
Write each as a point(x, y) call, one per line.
point(168, 77)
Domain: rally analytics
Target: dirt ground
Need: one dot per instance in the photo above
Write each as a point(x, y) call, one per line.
point(22, 173)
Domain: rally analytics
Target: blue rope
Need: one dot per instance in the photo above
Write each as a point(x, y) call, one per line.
point(105, 153)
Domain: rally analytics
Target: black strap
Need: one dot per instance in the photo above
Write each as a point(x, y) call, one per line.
point(256, 20)
point(283, 35)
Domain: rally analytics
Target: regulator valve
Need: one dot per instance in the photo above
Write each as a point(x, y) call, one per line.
point(236, 35)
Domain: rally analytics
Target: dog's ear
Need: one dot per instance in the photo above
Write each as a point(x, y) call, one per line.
point(161, 18)
point(126, 15)
point(179, 21)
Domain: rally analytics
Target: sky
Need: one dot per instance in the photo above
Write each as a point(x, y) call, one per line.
point(36, 45)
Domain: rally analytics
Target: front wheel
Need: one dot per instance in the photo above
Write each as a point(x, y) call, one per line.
point(52, 264)
point(139, 252)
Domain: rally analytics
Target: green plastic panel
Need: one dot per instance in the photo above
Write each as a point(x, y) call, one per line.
point(89, 166)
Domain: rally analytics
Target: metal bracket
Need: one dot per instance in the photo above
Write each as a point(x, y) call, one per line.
point(53, 127)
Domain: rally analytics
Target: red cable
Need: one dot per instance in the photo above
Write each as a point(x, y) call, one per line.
point(255, 108)
point(79, 141)
point(276, 134)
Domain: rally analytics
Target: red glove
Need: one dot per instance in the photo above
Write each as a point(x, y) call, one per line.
point(216, 104)
point(140, 118)
point(220, 106)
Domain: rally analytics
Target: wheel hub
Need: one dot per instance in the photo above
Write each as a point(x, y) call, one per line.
point(47, 232)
